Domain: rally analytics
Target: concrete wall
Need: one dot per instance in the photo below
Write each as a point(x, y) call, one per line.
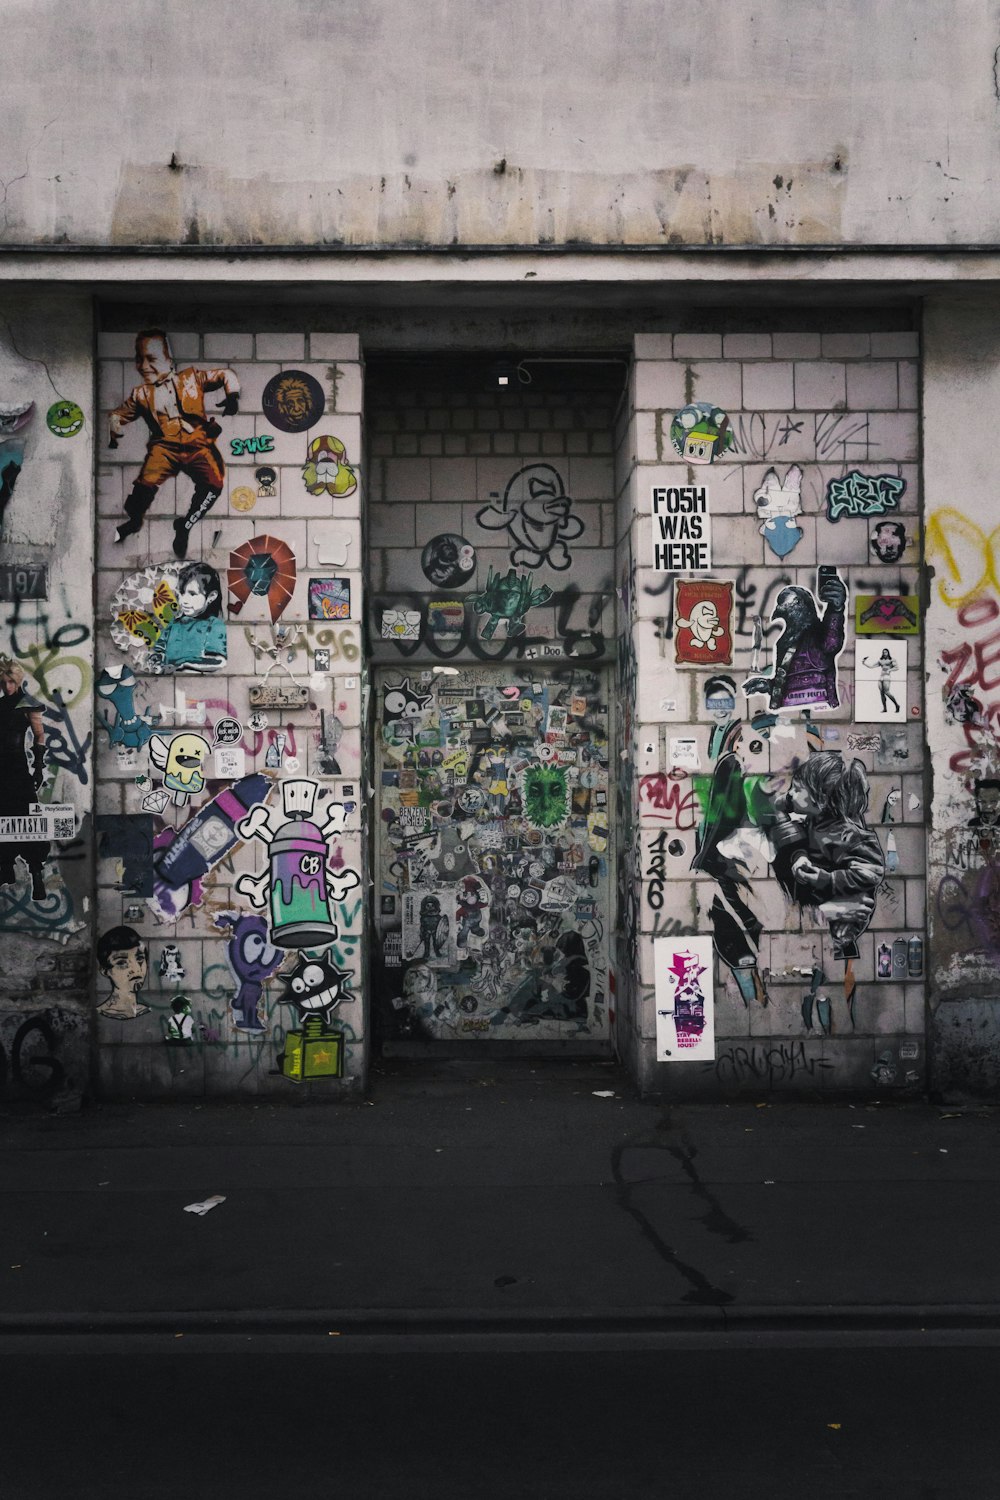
point(511, 123)
point(47, 523)
point(196, 956)
point(808, 411)
point(962, 375)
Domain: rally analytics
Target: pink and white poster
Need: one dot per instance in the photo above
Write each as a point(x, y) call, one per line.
point(685, 999)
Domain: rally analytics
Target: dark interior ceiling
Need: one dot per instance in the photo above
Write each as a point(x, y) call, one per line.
point(526, 316)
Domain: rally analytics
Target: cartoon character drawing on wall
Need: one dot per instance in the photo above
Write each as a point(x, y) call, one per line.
point(888, 541)
point(14, 417)
point(778, 503)
point(805, 657)
point(195, 638)
point(448, 560)
point(826, 857)
point(733, 845)
point(701, 433)
point(535, 513)
point(887, 668)
point(181, 759)
point(181, 433)
point(893, 798)
point(129, 729)
point(473, 900)
point(508, 597)
point(253, 959)
point(22, 772)
point(123, 958)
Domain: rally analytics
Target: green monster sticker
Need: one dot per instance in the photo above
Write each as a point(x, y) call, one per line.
point(508, 596)
point(546, 796)
point(64, 418)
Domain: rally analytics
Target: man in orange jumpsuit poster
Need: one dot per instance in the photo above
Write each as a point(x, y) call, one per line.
point(182, 435)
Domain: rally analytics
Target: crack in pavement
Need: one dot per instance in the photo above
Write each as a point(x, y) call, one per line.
point(700, 1291)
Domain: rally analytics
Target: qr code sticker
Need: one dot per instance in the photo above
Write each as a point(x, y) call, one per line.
point(63, 828)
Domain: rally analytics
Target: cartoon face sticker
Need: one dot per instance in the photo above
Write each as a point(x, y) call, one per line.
point(701, 433)
point(315, 987)
point(181, 760)
point(64, 418)
point(326, 469)
point(401, 702)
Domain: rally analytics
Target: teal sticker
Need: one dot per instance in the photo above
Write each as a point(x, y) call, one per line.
point(64, 418)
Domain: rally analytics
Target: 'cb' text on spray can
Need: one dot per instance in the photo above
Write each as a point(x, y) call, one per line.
point(300, 909)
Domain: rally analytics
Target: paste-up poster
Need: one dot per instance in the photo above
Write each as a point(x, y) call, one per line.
point(685, 999)
point(703, 622)
point(682, 536)
point(879, 681)
point(428, 925)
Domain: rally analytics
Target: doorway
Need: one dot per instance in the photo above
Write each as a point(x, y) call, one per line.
point(492, 854)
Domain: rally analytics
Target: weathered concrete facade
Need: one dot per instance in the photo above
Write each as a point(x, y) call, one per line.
point(546, 534)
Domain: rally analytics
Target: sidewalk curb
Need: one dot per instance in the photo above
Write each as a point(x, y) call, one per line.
point(423, 1322)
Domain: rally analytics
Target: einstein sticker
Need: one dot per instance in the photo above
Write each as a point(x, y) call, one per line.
point(293, 401)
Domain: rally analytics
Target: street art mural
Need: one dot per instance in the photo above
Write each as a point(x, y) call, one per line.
point(293, 401)
point(22, 775)
point(492, 854)
point(14, 418)
point(685, 1022)
point(182, 433)
point(263, 568)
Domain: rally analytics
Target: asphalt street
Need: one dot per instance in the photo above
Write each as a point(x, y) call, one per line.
point(268, 1416)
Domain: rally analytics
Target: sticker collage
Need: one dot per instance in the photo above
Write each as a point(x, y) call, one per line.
point(229, 691)
point(492, 867)
point(781, 813)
